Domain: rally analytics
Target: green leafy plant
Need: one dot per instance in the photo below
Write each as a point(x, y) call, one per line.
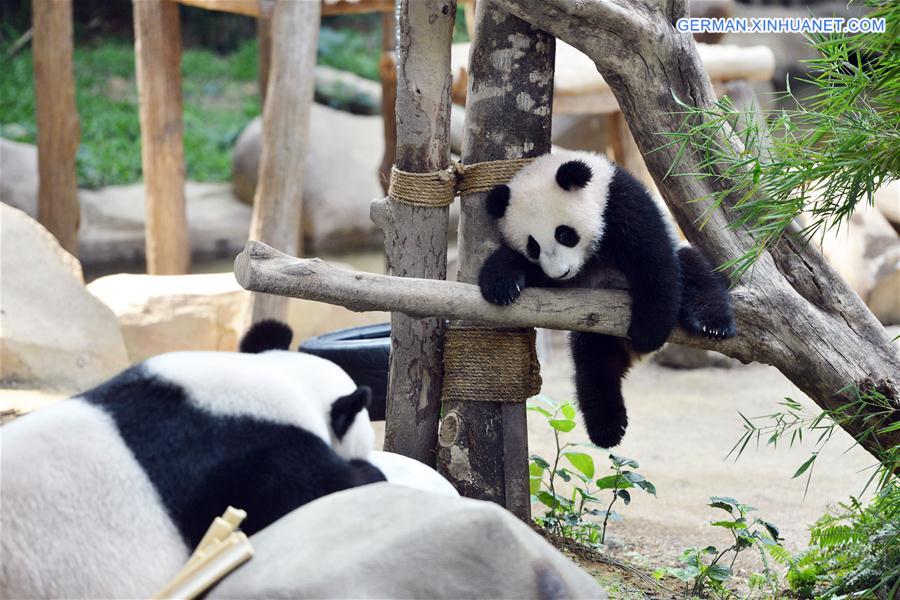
point(794, 422)
point(568, 514)
point(854, 552)
point(822, 158)
point(705, 571)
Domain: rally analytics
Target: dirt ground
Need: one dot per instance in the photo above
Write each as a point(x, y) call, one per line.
point(682, 425)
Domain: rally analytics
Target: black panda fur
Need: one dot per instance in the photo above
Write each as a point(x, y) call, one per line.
point(565, 217)
point(106, 493)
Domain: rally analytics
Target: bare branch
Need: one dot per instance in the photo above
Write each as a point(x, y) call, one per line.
point(261, 268)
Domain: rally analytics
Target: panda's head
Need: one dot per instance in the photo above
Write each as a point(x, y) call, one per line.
point(343, 405)
point(552, 210)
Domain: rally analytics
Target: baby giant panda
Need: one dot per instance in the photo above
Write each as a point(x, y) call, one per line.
point(562, 219)
point(107, 493)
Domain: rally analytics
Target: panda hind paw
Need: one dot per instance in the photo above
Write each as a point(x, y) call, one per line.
point(608, 435)
point(721, 330)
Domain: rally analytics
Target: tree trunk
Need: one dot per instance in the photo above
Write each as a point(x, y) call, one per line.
point(804, 319)
point(277, 204)
point(415, 238)
point(483, 444)
point(57, 121)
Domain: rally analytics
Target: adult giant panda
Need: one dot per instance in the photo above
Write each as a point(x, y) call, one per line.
point(565, 217)
point(105, 494)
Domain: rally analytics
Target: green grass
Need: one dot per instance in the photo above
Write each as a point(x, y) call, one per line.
point(220, 97)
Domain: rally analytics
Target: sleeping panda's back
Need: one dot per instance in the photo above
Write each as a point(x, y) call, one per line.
point(69, 465)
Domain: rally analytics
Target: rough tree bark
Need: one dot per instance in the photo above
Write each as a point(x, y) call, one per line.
point(804, 319)
point(57, 121)
point(415, 238)
point(483, 445)
point(277, 204)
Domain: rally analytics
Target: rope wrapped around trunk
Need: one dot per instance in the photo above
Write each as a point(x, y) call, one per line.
point(439, 188)
point(480, 363)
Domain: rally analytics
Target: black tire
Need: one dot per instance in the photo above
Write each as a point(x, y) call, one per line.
point(364, 353)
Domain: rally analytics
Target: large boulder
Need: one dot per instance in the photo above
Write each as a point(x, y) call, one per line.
point(340, 179)
point(54, 334)
point(887, 200)
point(112, 233)
point(19, 183)
point(167, 313)
point(388, 541)
point(866, 252)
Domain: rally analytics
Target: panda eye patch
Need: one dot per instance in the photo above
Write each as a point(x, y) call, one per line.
point(566, 236)
point(533, 248)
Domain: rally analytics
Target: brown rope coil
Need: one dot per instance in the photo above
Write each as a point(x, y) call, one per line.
point(485, 176)
point(480, 363)
point(435, 189)
point(438, 188)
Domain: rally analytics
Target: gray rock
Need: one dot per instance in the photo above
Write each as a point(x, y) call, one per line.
point(347, 91)
point(387, 541)
point(112, 232)
point(168, 313)
point(55, 334)
point(676, 356)
point(341, 177)
point(19, 176)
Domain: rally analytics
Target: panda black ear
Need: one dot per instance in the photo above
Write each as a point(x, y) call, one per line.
point(573, 174)
point(497, 201)
point(345, 409)
point(266, 335)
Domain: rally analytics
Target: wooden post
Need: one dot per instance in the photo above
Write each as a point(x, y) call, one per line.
point(157, 33)
point(483, 445)
point(415, 237)
point(279, 194)
point(387, 70)
point(57, 120)
point(264, 39)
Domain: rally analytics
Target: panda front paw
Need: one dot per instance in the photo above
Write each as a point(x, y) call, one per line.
point(502, 291)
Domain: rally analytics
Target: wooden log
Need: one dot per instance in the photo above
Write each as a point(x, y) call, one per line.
point(415, 238)
point(260, 268)
point(157, 40)
point(57, 120)
point(277, 205)
point(483, 445)
point(264, 39)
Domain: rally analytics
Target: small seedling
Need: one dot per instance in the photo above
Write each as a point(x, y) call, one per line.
point(704, 571)
point(568, 514)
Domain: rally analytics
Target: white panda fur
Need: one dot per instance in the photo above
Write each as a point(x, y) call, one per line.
point(408, 472)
